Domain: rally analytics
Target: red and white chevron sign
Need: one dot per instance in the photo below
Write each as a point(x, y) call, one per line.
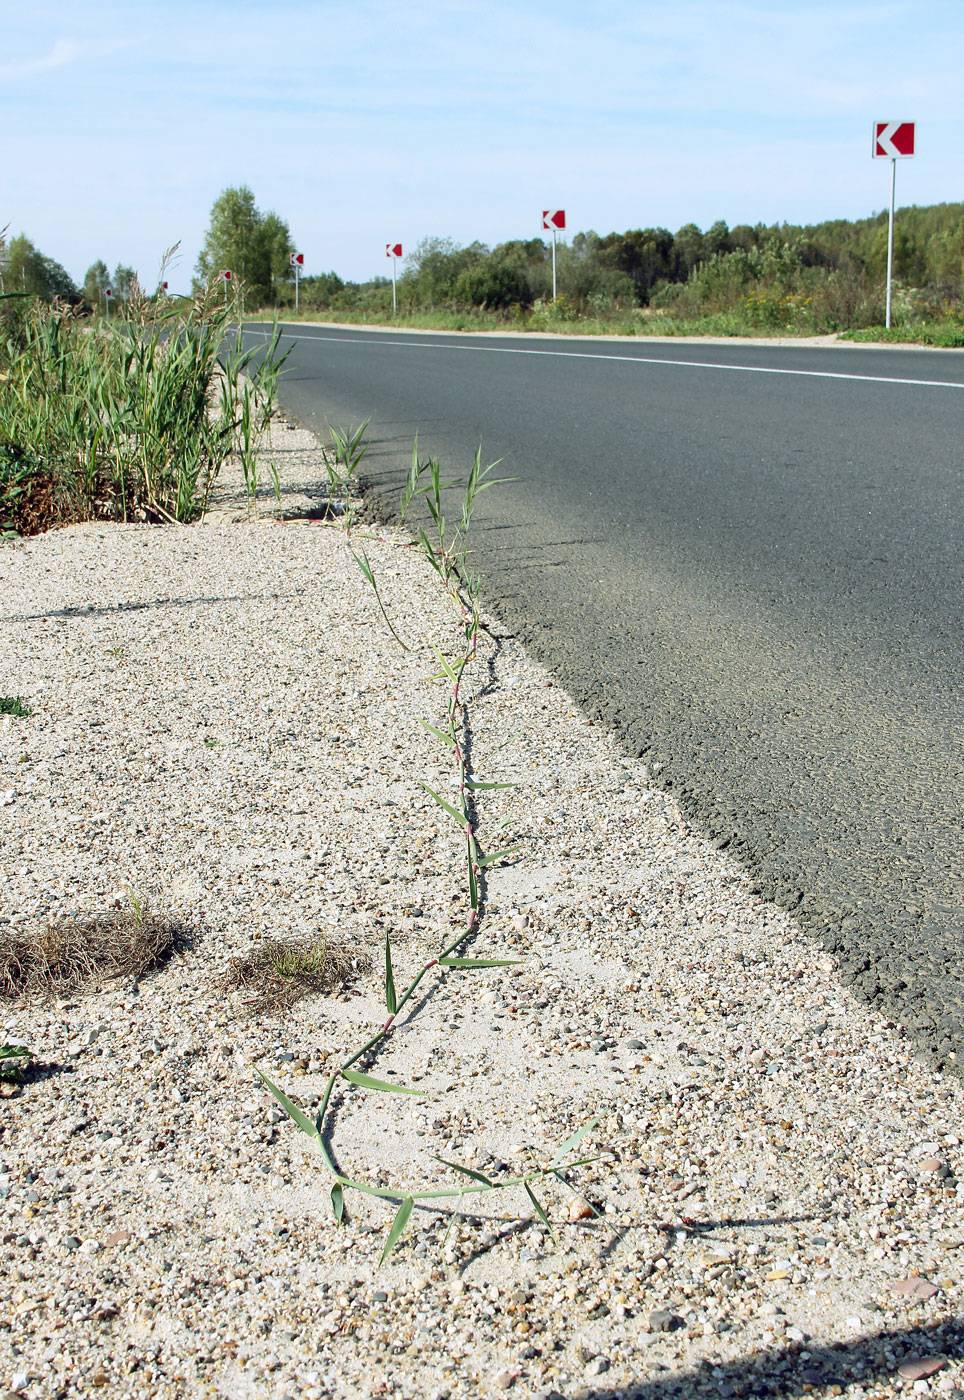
point(393, 250)
point(554, 218)
point(297, 259)
point(893, 140)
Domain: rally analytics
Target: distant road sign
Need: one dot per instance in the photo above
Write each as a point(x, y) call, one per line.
point(393, 250)
point(163, 286)
point(225, 274)
point(893, 140)
point(108, 292)
point(297, 259)
point(554, 218)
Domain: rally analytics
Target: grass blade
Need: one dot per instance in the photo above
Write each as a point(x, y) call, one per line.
point(391, 1000)
point(446, 666)
point(466, 1171)
point(504, 854)
point(460, 817)
point(576, 1138)
point(398, 1225)
point(292, 1110)
point(338, 1202)
point(440, 734)
point(477, 786)
point(540, 1212)
point(365, 1081)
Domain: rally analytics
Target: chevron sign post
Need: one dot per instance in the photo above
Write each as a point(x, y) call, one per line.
point(893, 141)
point(394, 251)
point(554, 219)
point(297, 261)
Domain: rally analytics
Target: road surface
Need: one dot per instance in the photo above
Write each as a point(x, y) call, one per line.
point(748, 561)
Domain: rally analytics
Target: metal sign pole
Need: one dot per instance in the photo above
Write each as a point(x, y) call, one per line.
point(890, 236)
point(394, 287)
point(553, 264)
point(297, 271)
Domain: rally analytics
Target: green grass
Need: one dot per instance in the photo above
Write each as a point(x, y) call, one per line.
point(14, 1059)
point(127, 420)
point(14, 705)
point(946, 334)
point(631, 323)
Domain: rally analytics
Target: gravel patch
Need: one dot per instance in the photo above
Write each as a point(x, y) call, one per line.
point(223, 725)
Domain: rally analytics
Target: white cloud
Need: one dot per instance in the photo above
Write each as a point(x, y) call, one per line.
point(63, 53)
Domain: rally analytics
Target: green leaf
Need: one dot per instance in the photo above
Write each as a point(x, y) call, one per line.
point(479, 962)
point(539, 1211)
point(466, 1171)
point(460, 817)
point(476, 786)
point(337, 1202)
point(442, 737)
point(365, 565)
point(445, 665)
point(577, 1138)
point(292, 1110)
point(398, 1225)
point(390, 999)
point(365, 1081)
point(504, 854)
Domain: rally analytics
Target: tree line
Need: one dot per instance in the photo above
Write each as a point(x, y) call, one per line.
point(831, 273)
point(825, 276)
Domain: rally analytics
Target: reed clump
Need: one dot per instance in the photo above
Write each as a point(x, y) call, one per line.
point(130, 419)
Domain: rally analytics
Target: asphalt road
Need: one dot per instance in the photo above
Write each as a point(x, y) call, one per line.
point(748, 561)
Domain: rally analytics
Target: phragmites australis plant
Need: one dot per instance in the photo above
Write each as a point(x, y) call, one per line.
point(445, 548)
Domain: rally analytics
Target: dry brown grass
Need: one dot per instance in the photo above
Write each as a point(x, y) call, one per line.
point(71, 954)
point(276, 973)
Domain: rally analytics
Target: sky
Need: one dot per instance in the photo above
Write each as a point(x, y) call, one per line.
point(372, 121)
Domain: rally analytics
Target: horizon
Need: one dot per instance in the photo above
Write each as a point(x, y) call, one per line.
point(373, 127)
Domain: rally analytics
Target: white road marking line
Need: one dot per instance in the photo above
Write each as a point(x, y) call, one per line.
point(630, 359)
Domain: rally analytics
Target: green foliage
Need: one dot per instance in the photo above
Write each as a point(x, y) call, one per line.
point(124, 420)
point(254, 246)
point(96, 283)
point(25, 269)
point(780, 278)
point(14, 705)
point(14, 1059)
point(444, 545)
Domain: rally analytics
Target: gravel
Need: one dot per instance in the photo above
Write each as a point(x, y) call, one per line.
point(223, 725)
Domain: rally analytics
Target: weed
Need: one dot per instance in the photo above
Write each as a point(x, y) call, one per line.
point(14, 1059)
point(276, 974)
point(350, 451)
point(123, 421)
point(15, 705)
point(70, 954)
point(444, 547)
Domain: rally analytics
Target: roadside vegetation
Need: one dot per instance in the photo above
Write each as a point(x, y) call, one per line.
point(124, 419)
point(778, 279)
point(760, 280)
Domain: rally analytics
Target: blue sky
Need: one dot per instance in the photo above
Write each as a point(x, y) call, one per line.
point(372, 120)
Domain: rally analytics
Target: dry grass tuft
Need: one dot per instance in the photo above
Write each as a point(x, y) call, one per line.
point(70, 954)
point(277, 973)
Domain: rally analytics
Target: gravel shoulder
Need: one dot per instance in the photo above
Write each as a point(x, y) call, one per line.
point(223, 725)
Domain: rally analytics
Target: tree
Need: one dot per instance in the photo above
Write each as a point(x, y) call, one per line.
point(255, 247)
point(125, 282)
point(96, 282)
point(29, 270)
